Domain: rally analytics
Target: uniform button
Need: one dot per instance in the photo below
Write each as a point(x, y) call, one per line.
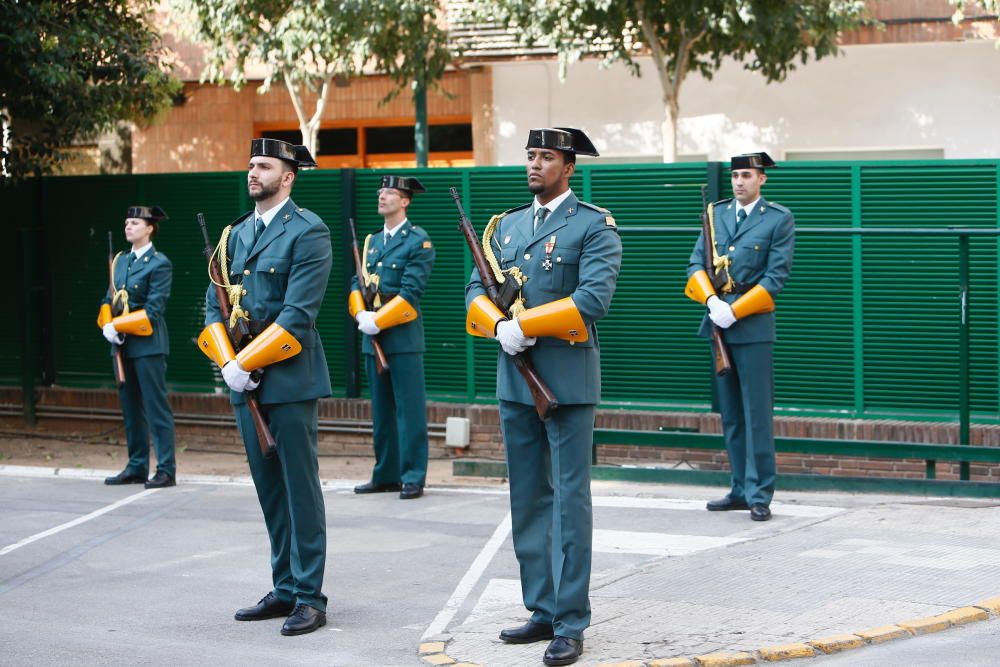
point(246, 272)
point(527, 255)
point(272, 270)
point(379, 264)
point(244, 292)
point(394, 266)
point(135, 287)
point(558, 259)
point(732, 248)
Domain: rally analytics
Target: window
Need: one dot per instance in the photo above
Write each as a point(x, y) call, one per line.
point(333, 141)
point(385, 143)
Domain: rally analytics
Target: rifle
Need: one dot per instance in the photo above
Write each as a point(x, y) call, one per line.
point(117, 358)
point(723, 364)
point(238, 333)
point(368, 294)
point(502, 297)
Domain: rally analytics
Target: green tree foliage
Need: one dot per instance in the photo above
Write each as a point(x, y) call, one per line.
point(682, 36)
point(407, 42)
point(305, 44)
point(72, 69)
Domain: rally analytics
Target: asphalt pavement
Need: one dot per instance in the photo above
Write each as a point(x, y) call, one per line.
point(96, 575)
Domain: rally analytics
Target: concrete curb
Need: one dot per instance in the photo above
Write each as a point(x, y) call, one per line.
point(435, 653)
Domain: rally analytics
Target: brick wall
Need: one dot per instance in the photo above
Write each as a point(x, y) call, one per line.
point(486, 441)
point(211, 131)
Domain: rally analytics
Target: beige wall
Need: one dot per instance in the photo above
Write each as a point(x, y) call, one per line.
point(879, 97)
point(212, 130)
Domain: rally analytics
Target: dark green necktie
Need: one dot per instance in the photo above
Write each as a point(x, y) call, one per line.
point(741, 215)
point(258, 229)
point(540, 217)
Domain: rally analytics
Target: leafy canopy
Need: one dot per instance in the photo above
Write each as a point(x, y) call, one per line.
point(72, 69)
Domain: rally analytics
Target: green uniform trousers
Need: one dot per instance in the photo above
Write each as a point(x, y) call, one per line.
point(746, 401)
point(146, 411)
point(399, 420)
point(290, 495)
point(548, 465)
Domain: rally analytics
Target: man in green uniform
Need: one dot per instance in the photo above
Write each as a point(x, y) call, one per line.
point(565, 254)
point(754, 241)
point(277, 260)
point(133, 317)
point(398, 264)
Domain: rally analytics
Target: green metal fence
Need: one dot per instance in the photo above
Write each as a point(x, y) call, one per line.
point(868, 326)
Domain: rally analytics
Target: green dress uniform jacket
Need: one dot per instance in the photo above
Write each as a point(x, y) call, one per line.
point(399, 403)
point(549, 462)
point(284, 275)
point(145, 405)
point(761, 252)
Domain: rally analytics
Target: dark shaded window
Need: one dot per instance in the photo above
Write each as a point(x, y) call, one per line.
point(456, 137)
point(291, 136)
point(394, 139)
point(339, 141)
point(336, 141)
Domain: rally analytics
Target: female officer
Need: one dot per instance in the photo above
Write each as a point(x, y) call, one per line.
point(132, 316)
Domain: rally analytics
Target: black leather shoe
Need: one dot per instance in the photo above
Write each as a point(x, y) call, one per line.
point(268, 607)
point(372, 487)
point(563, 651)
point(760, 512)
point(411, 491)
point(528, 633)
point(303, 620)
point(727, 504)
point(161, 480)
point(126, 477)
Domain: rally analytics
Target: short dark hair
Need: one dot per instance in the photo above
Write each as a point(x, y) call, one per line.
point(568, 157)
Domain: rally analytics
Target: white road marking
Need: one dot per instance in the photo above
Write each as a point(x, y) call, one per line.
point(498, 596)
point(470, 579)
point(76, 522)
point(779, 509)
point(656, 544)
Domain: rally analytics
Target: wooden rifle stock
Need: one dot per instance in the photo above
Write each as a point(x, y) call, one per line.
point(237, 334)
point(117, 358)
point(368, 295)
point(723, 363)
point(545, 400)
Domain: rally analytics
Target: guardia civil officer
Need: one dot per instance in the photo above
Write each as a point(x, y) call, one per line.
point(754, 242)
point(565, 254)
point(132, 316)
point(397, 263)
point(277, 260)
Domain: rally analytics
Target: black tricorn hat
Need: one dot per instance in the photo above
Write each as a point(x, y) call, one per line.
point(751, 161)
point(405, 183)
point(297, 155)
point(568, 139)
point(150, 213)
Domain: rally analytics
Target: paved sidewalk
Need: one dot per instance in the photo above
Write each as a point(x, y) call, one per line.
point(878, 562)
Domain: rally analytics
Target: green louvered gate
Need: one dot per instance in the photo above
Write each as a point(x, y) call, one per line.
point(868, 326)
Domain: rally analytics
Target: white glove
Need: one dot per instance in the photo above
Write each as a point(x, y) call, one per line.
point(237, 378)
point(112, 335)
point(366, 323)
point(720, 312)
point(511, 338)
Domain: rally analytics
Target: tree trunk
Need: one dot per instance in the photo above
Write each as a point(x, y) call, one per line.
point(671, 109)
point(309, 127)
point(5, 115)
point(421, 134)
